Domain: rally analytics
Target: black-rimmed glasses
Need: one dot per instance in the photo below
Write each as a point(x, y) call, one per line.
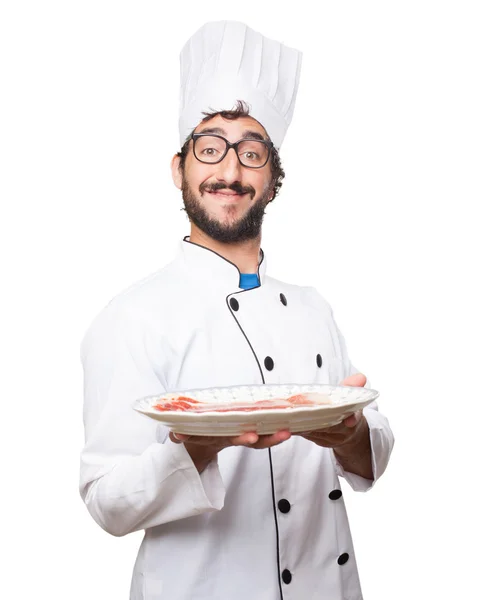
point(211, 149)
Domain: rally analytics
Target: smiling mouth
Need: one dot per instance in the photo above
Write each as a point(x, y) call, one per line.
point(223, 194)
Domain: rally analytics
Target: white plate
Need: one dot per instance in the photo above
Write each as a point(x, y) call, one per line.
point(345, 401)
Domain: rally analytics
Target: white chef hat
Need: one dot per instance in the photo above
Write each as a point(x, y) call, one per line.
point(227, 61)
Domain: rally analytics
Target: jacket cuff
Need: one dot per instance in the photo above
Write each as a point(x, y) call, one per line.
point(207, 489)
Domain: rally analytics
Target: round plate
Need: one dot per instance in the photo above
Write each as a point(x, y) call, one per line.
point(345, 400)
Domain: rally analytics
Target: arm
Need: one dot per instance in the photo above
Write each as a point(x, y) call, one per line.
point(132, 476)
point(355, 454)
point(364, 457)
point(351, 463)
point(350, 440)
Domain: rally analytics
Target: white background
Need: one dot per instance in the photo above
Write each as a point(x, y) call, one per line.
point(378, 211)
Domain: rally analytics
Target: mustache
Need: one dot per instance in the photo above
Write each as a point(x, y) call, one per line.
point(234, 187)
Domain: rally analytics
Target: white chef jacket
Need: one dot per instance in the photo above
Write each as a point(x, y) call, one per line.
point(256, 524)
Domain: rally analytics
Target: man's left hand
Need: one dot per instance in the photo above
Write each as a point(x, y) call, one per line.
point(348, 430)
point(349, 439)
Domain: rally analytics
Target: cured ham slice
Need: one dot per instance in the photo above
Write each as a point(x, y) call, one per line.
point(185, 404)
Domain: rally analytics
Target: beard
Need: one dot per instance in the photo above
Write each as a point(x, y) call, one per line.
point(247, 227)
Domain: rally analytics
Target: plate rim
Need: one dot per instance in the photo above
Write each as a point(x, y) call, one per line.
point(257, 413)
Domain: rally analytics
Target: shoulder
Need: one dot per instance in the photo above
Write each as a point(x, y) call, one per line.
point(127, 312)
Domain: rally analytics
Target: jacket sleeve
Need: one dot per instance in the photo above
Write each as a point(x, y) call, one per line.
point(381, 436)
point(132, 476)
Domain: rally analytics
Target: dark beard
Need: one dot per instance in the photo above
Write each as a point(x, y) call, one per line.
point(247, 228)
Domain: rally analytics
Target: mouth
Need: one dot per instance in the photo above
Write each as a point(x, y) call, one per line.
point(226, 195)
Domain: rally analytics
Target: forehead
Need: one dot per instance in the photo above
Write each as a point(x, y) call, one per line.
point(232, 129)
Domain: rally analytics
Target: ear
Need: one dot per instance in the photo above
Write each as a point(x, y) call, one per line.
point(176, 173)
point(271, 195)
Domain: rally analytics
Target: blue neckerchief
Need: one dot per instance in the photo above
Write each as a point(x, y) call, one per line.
point(248, 281)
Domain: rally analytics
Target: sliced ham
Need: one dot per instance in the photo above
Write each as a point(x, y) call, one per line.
point(183, 403)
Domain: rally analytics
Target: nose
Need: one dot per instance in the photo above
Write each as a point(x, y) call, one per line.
point(229, 169)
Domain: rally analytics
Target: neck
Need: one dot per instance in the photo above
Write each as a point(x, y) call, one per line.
point(245, 255)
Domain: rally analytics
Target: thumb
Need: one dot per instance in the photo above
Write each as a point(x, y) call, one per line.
point(356, 380)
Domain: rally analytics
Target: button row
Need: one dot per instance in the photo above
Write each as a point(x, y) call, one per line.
point(285, 506)
point(269, 362)
point(287, 577)
point(235, 304)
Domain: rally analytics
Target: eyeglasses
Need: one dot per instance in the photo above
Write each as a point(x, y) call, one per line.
point(211, 149)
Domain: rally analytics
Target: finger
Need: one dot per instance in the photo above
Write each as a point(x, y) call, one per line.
point(203, 440)
point(268, 441)
point(246, 439)
point(356, 380)
point(325, 431)
point(353, 420)
point(252, 438)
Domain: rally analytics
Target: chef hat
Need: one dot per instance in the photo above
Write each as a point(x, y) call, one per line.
point(227, 61)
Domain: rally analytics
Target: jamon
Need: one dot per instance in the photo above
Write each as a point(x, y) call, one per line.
point(183, 403)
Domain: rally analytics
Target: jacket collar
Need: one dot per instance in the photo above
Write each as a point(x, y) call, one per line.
point(211, 269)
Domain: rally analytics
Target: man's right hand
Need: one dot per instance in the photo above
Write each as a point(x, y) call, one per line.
point(203, 449)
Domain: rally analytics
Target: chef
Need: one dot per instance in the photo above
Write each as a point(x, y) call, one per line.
point(260, 517)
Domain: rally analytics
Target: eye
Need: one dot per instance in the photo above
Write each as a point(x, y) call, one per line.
point(209, 151)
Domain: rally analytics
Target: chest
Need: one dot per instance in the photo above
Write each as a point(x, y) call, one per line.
point(249, 337)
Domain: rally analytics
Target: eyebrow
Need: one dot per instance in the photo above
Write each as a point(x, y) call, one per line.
point(249, 134)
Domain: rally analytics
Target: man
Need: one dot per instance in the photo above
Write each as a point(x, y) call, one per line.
point(250, 516)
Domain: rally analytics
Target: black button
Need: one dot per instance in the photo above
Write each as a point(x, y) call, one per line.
point(319, 360)
point(283, 299)
point(284, 506)
point(335, 494)
point(343, 558)
point(234, 304)
point(286, 575)
point(268, 363)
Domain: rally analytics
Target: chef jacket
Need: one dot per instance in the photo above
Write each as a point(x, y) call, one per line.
point(260, 524)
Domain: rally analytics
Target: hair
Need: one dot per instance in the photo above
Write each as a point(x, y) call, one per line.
point(240, 110)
